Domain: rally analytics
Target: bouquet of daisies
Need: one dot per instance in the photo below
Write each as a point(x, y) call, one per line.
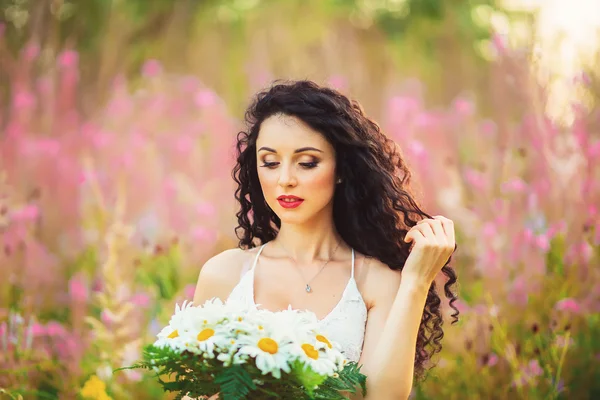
point(246, 353)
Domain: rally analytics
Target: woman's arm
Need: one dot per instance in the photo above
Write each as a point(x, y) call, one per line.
point(390, 341)
point(216, 279)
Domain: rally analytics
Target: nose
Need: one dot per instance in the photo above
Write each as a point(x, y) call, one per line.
point(287, 177)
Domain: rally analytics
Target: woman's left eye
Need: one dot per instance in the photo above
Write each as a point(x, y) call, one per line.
point(309, 164)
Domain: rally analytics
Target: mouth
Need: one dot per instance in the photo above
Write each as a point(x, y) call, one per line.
point(289, 201)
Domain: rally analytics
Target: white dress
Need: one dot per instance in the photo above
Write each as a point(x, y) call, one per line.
point(345, 324)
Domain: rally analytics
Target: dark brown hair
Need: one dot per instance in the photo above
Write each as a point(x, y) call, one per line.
point(373, 208)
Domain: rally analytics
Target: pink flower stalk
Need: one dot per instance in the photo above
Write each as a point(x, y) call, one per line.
point(141, 300)
point(534, 369)
point(38, 329)
point(464, 107)
point(54, 328)
point(404, 106)
point(489, 230)
point(493, 360)
point(24, 100)
point(25, 214)
point(568, 304)
point(68, 59)
point(561, 341)
point(528, 235)
point(184, 144)
point(31, 51)
point(151, 68)
point(189, 292)
point(556, 228)
point(425, 120)
point(499, 41)
point(205, 98)
point(519, 294)
point(78, 290)
point(542, 242)
point(417, 149)
point(594, 150)
point(488, 128)
point(339, 82)
point(203, 234)
point(516, 185)
point(106, 317)
point(475, 179)
point(205, 208)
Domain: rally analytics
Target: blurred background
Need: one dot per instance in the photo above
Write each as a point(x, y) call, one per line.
point(117, 121)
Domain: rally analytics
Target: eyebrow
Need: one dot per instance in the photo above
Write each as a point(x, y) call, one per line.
point(300, 150)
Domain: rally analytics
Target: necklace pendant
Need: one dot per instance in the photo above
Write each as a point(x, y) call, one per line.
point(308, 288)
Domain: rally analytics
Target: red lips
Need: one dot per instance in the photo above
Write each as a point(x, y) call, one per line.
point(287, 197)
point(289, 201)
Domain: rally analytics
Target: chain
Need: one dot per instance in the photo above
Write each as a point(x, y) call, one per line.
point(308, 287)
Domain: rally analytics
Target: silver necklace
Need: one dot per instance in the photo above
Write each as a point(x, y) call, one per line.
point(308, 288)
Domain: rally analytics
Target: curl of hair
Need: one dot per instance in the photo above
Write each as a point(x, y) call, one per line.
point(375, 180)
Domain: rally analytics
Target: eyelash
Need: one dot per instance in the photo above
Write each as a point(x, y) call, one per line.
point(308, 165)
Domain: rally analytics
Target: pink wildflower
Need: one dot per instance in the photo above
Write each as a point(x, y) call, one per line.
point(516, 185)
point(141, 300)
point(77, 289)
point(205, 98)
point(151, 68)
point(68, 58)
point(568, 304)
point(464, 107)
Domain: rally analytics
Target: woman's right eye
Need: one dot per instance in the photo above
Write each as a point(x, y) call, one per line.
point(269, 164)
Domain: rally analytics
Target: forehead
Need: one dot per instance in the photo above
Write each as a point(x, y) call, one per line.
point(284, 132)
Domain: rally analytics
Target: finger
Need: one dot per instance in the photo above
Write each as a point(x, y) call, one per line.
point(436, 226)
point(413, 235)
point(426, 230)
point(438, 230)
point(448, 226)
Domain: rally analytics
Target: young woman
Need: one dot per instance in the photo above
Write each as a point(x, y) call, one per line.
point(327, 224)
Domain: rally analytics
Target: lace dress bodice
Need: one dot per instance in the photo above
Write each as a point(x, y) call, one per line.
point(345, 324)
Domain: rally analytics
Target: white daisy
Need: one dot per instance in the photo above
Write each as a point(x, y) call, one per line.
point(270, 355)
point(319, 360)
point(193, 328)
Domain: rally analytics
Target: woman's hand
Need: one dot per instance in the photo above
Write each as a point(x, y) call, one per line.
point(433, 244)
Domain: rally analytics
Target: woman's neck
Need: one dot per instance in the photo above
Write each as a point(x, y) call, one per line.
point(309, 242)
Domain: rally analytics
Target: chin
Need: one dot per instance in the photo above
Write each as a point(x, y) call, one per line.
point(290, 218)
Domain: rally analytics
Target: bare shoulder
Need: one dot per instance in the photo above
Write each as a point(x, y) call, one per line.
point(380, 283)
point(219, 275)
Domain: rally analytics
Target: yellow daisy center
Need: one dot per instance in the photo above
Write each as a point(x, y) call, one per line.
point(310, 351)
point(173, 334)
point(205, 334)
point(268, 345)
point(240, 319)
point(323, 339)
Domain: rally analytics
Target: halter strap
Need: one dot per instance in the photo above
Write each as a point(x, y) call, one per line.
point(352, 263)
point(257, 254)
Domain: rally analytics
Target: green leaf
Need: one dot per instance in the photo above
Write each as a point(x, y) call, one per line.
point(307, 377)
point(235, 382)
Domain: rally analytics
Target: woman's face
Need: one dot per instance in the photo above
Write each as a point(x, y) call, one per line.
point(296, 161)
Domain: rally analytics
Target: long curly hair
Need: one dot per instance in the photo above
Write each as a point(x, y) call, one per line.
point(373, 208)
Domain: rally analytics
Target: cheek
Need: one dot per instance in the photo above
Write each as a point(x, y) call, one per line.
point(267, 181)
point(322, 182)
